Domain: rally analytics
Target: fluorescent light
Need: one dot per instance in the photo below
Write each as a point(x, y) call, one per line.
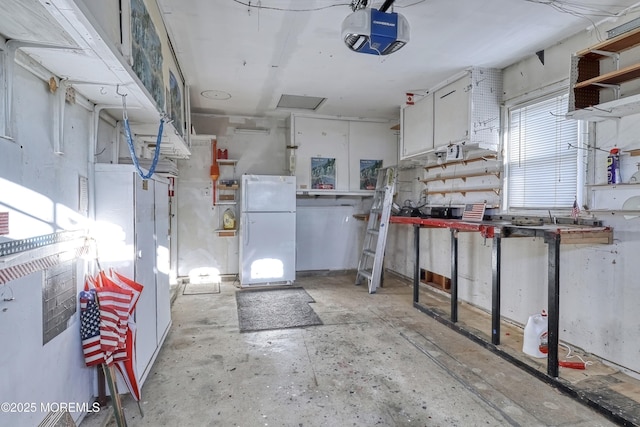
point(253, 131)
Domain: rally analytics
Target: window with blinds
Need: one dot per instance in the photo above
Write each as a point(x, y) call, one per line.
point(542, 158)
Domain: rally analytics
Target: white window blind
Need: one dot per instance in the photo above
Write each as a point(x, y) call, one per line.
point(542, 155)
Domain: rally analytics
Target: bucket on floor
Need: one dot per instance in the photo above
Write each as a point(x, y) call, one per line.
point(535, 334)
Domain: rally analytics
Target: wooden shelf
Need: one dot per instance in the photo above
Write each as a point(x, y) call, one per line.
point(619, 43)
point(587, 81)
point(463, 161)
point(617, 77)
point(462, 177)
point(226, 162)
point(464, 191)
point(225, 233)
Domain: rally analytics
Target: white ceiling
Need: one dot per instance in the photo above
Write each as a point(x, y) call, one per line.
point(260, 50)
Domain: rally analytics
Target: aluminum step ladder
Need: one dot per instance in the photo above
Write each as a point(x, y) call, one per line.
point(375, 239)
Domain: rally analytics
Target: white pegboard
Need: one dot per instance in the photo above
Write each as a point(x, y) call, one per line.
point(486, 96)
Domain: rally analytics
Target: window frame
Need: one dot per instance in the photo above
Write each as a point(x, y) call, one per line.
point(5, 89)
point(580, 151)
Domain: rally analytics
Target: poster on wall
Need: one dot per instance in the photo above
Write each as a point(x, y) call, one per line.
point(323, 173)
point(175, 103)
point(146, 51)
point(369, 173)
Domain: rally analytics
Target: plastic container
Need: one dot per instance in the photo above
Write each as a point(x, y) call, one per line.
point(535, 335)
point(229, 220)
point(613, 166)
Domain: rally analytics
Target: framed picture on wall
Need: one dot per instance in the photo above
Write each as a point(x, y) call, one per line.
point(369, 173)
point(323, 173)
point(146, 51)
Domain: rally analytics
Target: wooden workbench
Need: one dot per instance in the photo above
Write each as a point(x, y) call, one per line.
point(553, 234)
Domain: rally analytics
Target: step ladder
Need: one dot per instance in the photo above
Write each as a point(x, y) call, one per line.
point(375, 239)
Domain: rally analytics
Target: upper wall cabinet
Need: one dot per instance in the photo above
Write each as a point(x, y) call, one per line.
point(416, 125)
point(598, 68)
point(452, 105)
point(464, 109)
point(335, 155)
point(116, 48)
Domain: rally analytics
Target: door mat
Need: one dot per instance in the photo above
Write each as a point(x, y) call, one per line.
point(268, 309)
point(201, 288)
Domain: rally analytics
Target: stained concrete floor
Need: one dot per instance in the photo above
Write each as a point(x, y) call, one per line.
point(376, 360)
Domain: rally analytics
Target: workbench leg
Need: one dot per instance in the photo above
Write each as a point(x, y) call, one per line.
point(416, 267)
point(495, 293)
point(454, 275)
point(553, 242)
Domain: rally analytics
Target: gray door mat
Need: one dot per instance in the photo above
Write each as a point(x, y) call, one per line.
point(201, 288)
point(268, 309)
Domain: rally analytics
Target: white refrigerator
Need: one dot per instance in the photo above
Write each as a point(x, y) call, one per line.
point(267, 230)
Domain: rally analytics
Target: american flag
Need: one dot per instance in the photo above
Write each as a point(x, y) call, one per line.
point(473, 212)
point(114, 314)
point(125, 357)
point(4, 223)
point(575, 210)
point(90, 328)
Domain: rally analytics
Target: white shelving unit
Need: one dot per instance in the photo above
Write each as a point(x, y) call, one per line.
point(226, 188)
point(612, 197)
point(588, 79)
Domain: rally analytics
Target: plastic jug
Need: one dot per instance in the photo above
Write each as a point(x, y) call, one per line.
point(535, 334)
point(229, 220)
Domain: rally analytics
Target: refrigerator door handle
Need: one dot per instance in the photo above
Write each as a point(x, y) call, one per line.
point(243, 223)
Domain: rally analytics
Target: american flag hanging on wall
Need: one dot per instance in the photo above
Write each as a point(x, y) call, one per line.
point(575, 210)
point(90, 328)
point(473, 212)
point(4, 223)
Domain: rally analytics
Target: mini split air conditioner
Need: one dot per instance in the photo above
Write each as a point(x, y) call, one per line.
point(374, 32)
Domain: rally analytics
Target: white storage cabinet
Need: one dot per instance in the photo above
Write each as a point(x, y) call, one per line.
point(133, 237)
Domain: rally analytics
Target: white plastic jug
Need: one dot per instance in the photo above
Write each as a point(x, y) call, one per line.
point(535, 334)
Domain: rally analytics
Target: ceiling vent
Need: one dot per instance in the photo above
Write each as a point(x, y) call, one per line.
point(298, 102)
point(375, 32)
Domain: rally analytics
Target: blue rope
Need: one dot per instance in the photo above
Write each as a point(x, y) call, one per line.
point(132, 151)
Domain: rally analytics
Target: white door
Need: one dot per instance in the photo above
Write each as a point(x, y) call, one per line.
point(163, 297)
point(268, 248)
point(416, 129)
point(145, 253)
point(268, 193)
point(452, 109)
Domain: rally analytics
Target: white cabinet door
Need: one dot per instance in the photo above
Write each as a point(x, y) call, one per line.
point(370, 141)
point(452, 105)
point(132, 225)
point(267, 247)
point(324, 138)
point(145, 254)
point(163, 294)
point(416, 127)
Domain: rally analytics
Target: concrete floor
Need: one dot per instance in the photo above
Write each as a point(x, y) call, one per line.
point(376, 360)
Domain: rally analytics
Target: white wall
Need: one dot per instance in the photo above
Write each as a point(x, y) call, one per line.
point(598, 282)
point(328, 236)
point(47, 202)
point(198, 245)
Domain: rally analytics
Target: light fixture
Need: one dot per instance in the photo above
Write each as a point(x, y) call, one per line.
point(252, 131)
point(218, 95)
